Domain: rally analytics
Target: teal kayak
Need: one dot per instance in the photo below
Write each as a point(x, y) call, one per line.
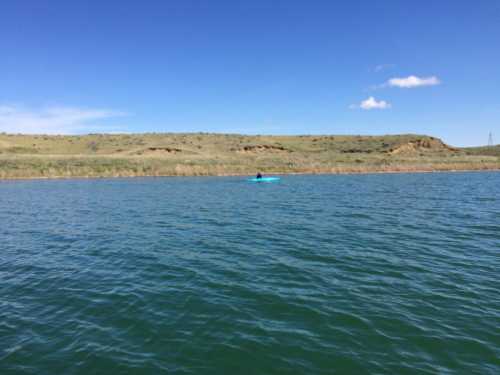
point(264, 179)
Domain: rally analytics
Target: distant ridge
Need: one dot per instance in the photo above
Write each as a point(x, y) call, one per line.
point(186, 154)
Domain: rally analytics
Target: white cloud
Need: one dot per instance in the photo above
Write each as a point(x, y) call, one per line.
point(56, 120)
point(371, 103)
point(413, 81)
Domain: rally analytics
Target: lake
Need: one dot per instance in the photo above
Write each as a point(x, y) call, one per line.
point(331, 274)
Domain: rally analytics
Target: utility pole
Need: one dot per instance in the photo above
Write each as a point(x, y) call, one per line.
point(490, 139)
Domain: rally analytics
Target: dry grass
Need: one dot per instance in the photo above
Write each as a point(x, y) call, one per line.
point(124, 155)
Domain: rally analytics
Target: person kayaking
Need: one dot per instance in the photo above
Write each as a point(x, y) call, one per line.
point(259, 176)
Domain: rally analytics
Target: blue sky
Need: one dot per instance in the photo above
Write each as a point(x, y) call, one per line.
point(255, 67)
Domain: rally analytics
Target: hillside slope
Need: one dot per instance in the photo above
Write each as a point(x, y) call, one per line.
point(99, 155)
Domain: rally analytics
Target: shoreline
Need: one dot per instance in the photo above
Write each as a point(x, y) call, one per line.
point(36, 157)
point(395, 171)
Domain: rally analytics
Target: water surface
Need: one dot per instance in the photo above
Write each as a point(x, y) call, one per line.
point(359, 274)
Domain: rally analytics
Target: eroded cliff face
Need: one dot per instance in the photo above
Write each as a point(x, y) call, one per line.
point(423, 145)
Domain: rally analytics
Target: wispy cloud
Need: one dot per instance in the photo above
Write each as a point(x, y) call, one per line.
point(56, 120)
point(382, 67)
point(371, 103)
point(412, 81)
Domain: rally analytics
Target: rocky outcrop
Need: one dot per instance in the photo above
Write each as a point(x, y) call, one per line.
point(422, 145)
point(262, 148)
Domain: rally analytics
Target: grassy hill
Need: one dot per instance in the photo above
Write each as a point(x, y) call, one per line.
point(485, 150)
point(99, 155)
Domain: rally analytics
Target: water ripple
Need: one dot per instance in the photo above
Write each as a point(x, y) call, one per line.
point(369, 274)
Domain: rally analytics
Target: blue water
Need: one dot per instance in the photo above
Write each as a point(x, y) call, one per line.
point(359, 274)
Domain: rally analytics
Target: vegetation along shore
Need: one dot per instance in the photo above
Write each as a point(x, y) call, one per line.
point(204, 154)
